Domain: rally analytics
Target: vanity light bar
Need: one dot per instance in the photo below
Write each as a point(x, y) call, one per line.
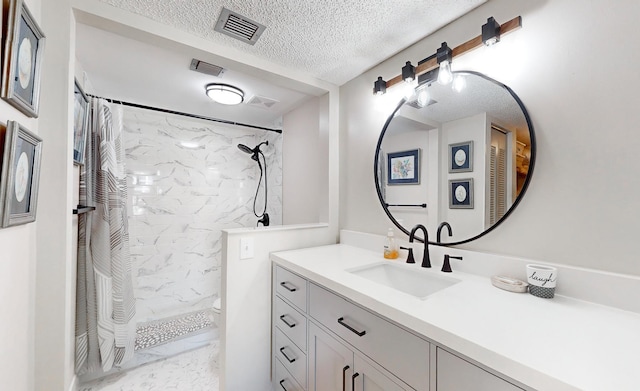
point(431, 63)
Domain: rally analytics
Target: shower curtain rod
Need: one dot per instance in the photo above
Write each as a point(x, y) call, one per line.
point(224, 121)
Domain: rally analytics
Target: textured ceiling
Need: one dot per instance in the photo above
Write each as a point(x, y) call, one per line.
point(479, 96)
point(125, 69)
point(334, 40)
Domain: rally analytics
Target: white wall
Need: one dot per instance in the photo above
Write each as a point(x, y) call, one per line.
point(18, 276)
point(55, 284)
point(413, 193)
point(302, 159)
point(580, 209)
point(17, 290)
point(465, 223)
point(245, 351)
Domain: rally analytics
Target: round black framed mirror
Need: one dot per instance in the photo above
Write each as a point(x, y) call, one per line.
point(461, 153)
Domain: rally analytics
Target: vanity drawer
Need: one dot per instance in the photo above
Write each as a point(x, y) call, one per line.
point(291, 357)
point(381, 340)
point(283, 380)
point(291, 322)
point(292, 287)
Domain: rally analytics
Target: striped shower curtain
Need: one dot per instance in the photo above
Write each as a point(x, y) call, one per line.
point(105, 306)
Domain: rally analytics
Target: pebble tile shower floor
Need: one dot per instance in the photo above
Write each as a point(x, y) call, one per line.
point(159, 332)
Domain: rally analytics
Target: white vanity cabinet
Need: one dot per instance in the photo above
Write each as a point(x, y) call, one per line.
point(399, 352)
point(289, 331)
point(324, 342)
point(335, 366)
point(455, 374)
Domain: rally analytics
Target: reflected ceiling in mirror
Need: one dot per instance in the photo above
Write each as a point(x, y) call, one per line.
point(466, 150)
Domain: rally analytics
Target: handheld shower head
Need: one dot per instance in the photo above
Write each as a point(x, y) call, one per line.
point(245, 149)
point(254, 152)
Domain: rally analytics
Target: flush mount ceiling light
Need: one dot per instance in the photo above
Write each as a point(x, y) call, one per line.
point(491, 34)
point(225, 94)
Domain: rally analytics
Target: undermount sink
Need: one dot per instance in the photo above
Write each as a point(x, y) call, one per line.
point(410, 279)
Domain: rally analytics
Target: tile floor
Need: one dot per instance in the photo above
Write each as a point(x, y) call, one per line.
point(196, 370)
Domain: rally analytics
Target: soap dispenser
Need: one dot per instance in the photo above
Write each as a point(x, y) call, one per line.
point(390, 247)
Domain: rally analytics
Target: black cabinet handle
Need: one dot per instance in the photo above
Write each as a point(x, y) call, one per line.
point(353, 381)
point(285, 355)
point(282, 385)
point(344, 378)
point(358, 333)
point(291, 325)
point(284, 284)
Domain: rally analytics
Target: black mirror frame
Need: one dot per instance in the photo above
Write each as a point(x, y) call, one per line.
point(525, 186)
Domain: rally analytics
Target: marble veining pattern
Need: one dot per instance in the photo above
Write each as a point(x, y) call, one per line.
point(187, 181)
point(196, 370)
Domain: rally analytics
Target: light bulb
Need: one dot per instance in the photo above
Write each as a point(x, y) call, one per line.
point(410, 90)
point(491, 41)
point(459, 83)
point(423, 97)
point(444, 74)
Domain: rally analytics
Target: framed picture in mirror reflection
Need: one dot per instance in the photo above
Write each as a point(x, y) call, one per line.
point(461, 157)
point(403, 168)
point(461, 193)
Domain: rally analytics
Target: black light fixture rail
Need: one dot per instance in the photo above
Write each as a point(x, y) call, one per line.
point(491, 34)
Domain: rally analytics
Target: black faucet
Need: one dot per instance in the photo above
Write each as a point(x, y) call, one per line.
point(442, 225)
point(446, 266)
point(426, 262)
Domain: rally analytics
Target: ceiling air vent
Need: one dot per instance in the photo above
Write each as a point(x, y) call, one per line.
point(416, 105)
point(206, 68)
point(239, 27)
point(262, 102)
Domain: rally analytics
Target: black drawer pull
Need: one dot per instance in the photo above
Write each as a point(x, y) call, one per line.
point(282, 385)
point(353, 381)
point(285, 355)
point(344, 378)
point(285, 285)
point(358, 333)
point(291, 325)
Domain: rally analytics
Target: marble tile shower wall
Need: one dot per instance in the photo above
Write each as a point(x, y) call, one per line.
point(187, 181)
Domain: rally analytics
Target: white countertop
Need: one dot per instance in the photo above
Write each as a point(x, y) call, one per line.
point(547, 344)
